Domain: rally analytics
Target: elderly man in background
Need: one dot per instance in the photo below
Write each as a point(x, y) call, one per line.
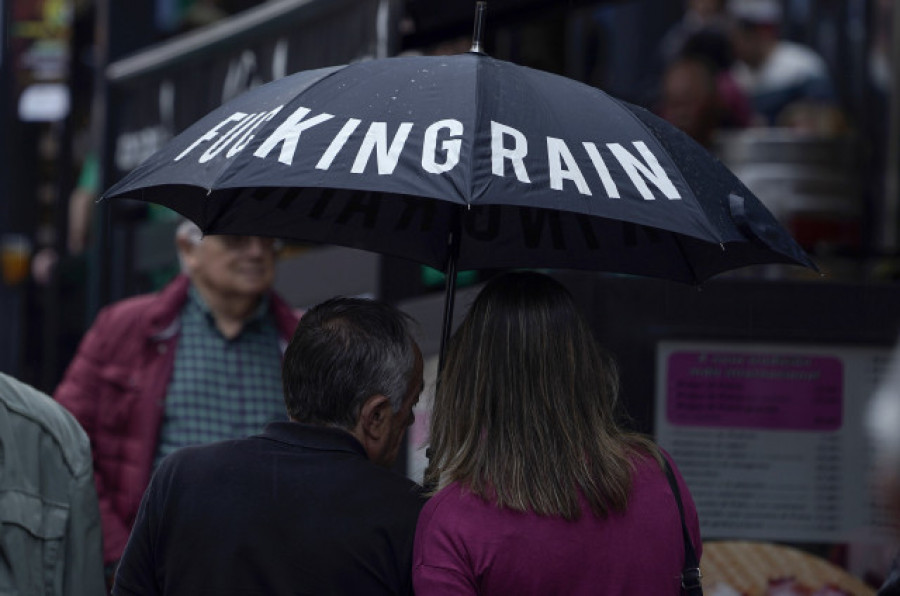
point(309, 506)
point(200, 361)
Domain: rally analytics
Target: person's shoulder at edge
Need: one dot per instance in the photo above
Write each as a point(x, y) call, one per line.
point(44, 411)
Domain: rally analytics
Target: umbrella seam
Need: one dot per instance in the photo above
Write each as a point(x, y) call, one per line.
point(476, 124)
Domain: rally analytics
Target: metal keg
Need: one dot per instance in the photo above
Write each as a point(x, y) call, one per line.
point(809, 182)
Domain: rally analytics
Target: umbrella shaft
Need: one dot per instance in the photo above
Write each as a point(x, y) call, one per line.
point(449, 297)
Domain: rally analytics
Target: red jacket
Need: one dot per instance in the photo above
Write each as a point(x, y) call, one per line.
point(116, 388)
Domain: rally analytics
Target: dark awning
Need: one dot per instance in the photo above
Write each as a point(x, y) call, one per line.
point(434, 20)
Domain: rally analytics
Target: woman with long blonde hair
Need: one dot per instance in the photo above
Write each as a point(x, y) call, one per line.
point(538, 489)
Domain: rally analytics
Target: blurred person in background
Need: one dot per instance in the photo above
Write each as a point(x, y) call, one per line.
point(539, 489)
point(700, 16)
point(50, 539)
point(197, 362)
point(883, 425)
point(735, 111)
point(774, 72)
point(690, 99)
point(698, 93)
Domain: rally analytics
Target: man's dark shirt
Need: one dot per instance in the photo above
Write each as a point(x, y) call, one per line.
point(296, 510)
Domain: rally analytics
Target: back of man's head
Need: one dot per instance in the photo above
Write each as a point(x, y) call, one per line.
point(344, 351)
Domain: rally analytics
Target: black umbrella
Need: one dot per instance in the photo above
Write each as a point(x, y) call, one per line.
point(463, 162)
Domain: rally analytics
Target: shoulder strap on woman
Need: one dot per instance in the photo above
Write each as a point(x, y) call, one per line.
point(690, 574)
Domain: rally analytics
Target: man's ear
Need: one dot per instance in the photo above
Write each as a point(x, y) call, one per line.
point(373, 426)
point(374, 419)
point(186, 249)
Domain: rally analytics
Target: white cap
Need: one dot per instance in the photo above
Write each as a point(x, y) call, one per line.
point(756, 11)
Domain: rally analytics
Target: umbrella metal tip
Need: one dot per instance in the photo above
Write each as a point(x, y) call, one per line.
point(477, 34)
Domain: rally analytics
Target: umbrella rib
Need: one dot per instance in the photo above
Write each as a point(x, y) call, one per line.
point(687, 260)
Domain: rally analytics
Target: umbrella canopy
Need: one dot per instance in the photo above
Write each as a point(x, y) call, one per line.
point(463, 162)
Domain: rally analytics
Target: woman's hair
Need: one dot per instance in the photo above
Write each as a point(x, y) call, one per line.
point(524, 414)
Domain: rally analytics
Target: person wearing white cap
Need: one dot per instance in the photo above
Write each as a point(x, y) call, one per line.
point(774, 72)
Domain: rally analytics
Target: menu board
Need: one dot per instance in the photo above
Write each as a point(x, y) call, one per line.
point(770, 438)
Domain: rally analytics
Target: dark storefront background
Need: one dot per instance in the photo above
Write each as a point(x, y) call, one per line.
point(160, 77)
point(35, 78)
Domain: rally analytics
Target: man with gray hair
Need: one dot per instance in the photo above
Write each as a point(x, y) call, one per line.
point(309, 506)
point(197, 362)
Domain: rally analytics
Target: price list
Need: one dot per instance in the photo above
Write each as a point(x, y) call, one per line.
point(765, 439)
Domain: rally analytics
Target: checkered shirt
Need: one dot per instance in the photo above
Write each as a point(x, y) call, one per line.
point(221, 388)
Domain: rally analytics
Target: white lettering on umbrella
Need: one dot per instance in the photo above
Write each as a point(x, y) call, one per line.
point(211, 133)
point(558, 152)
point(288, 133)
point(515, 154)
point(386, 157)
point(608, 185)
point(441, 150)
point(337, 143)
point(654, 173)
point(450, 147)
point(248, 134)
point(225, 139)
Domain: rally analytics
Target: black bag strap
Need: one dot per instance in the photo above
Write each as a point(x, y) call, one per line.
point(690, 574)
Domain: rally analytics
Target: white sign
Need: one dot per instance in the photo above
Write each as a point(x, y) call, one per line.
point(770, 438)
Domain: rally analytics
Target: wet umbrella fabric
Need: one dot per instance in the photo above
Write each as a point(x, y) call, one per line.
point(490, 163)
